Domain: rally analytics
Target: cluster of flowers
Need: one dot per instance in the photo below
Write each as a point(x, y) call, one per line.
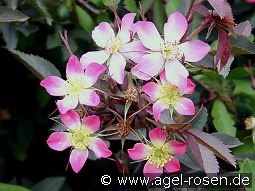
point(150, 55)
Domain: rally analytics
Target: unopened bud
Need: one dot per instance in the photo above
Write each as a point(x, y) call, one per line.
point(249, 123)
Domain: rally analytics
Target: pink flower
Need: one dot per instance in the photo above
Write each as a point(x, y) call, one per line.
point(77, 88)
point(250, 1)
point(158, 153)
point(116, 47)
point(166, 53)
point(167, 96)
point(80, 135)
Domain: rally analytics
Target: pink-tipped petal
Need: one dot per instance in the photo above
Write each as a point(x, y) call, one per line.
point(190, 87)
point(77, 159)
point(175, 27)
point(149, 35)
point(99, 148)
point(69, 102)
point(173, 165)
point(58, 141)
point(89, 97)
point(176, 74)
point(92, 72)
point(149, 65)
point(127, 23)
point(71, 119)
point(102, 34)
point(91, 123)
point(74, 67)
point(139, 152)
point(117, 67)
point(152, 89)
point(99, 57)
point(176, 147)
point(162, 76)
point(194, 50)
point(185, 107)
point(157, 136)
point(152, 171)
point(54, 85)
point(157, 108)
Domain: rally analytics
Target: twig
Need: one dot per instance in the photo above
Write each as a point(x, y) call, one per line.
point(89, 7)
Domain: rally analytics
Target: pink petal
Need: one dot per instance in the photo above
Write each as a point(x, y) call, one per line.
point(190, 87)
point(99, 148)
point(162, 76)
point(58, 141)
point(175, 27)
point(149, 35)
point(185, 107)
point(127, 23)
point(92, 72)
point(157, 108)
point(71, 119)
point(102, 34)
point(99, 57)
point(194, 50)
point(54, 85)
point(139, 152)
point(89, 97)
point(77, 159)
point(176, 147)
point(152, 89)
point(91, 123)
point(117, 67)
point(74, 67)
point(152, 171)
point(176, 74)
point(173, 165)
point(149, 65)
point(157, 136)
point(69, 102)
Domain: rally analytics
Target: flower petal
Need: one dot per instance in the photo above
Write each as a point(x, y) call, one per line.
point(54, 85)
point(149, 65)
point(71, 119)
point(173, 165)
point(139, 152)
point(91, 123)
point(74, 67)
point(58, 141)
point(194, 50)
point(162, 76)
point(190, 87)
point(175, 27)
point(89, 97)
point(69, 102)
point(92, 72)
point(152, 171)
point(152, 89)
point(176, 147)
point(157, 136)
point(94, 56)
point(127, 23)
point(77, 159)
point(102, 33)
point(117, 67)
point(185, 107)
point(99, 148)
point(149, 35)
point(157, 108)
point(176, 74)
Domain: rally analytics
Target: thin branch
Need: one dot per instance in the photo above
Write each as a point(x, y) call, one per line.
point(89, 7)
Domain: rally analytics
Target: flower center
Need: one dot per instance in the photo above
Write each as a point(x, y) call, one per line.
point(159, 155)
point(79, 139)
point(132, 94)
point(75, 85)
point(170, 94)
point(170, 51)
point(123, 128)
point(114, 45)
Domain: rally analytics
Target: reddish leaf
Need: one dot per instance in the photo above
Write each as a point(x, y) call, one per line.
point(222, 7)
point(243, 28)
point(201, 9)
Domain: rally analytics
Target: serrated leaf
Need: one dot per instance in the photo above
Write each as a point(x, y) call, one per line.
point(241, 45)
point(237, 73)
point(9, 35)
point(222, 120)
point(229, 141)
point(220, 6)
point(10, 15)
point(243, 28)
point(224, 71)
point(206, 62)
point(214, 144)
point(40, 67)
point(111, 2)
point(84, 19)
point(172, 6)
point(243, 86)
point(248, 166)
point(131, 6)
point(9, 187)
point(200, 119)
point(43, 10)
point(51, 183)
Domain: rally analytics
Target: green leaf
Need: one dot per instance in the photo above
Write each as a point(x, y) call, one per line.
point(206, 62)
point(84, 19)
point(237, 73)
point(200, 118)
point(131, 6)
point(243, 86)
point(10, 15)
point(98, 3)
point(103, 17)
point(43, 10)
point(9, 35)
point(229, 141)
point(40, 67)
point(9, 187)
point(241, 45)
point(159, 16)
point(172, 6)
point(146, 5)
point(222, 120)
point(248, 166)
point(51, 183)
point(111, 2)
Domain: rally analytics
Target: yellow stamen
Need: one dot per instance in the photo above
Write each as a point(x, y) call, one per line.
point(79, 138)
point(75, 85)
point(170, 94)
point(114, 45)
point(170, 51)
